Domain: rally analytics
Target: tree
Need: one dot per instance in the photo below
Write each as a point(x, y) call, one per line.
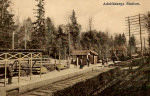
point(123, 38)
point(23, 35)
point(132, 43)
point(74, 29)
point(120, 40)
point(94, 40)
point(50, 35)
point(147, 25)
point(6, 24)
point(62, 41)
point(17, 32)
point(49, 31)
point(39, 34)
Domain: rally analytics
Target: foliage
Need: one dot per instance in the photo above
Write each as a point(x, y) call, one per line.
point(42, 34)
point(147, 24)
point(63, 42)
point(39, 34)
point(132, 43)
point(94, 40)
point(136, 85)
point(23, 34)
point(6, 24)
point(51, 35)
point(74, 29)
point(120, 40)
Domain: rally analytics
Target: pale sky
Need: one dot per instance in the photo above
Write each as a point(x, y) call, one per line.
point(105, 18)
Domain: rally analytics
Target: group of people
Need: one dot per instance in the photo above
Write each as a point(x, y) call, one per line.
point(104, 60)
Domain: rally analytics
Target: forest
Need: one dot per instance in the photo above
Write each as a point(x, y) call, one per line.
point(43, 34)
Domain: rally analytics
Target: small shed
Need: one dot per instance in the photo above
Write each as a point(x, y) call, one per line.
point(84, 55)
point(119, 50)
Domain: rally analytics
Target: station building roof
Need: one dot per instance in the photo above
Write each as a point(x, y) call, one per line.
point(83, 52)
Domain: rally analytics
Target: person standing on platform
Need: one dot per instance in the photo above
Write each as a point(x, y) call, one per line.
point(103, 61)
point(106, 59)
point(113, 58)
point(81, 63)
point(10, 73)
point(88, 61)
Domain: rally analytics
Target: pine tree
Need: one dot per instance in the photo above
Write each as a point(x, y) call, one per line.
point(39, 34)
point(75, 31)
point(147, 19)
point(50, 30)
point(132, 43)
point(62, 41)
point(123, 39)
point(51, 35)
point(6, 24)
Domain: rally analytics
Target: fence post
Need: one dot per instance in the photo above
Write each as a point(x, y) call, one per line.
point(30, 66)
point(5, 69)
point(41, 65)
point(19, 67)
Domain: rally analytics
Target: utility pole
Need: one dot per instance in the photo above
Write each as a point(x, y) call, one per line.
point(25, 43)
point(69, 45)
point(130, 43)
point(144, 47)
point(90, 24)
point(141, 36)
point(135, 26)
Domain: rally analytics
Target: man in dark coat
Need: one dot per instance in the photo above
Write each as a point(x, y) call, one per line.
point(113, 58)
point(88, 61)
point(10, 73)
point(81, 63)
point(103, 62)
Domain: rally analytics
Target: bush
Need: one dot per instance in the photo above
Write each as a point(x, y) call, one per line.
point(123, 58)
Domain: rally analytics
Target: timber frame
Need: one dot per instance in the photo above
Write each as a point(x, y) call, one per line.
point(20, 55)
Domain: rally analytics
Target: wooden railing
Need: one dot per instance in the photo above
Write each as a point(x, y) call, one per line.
point(7, 57)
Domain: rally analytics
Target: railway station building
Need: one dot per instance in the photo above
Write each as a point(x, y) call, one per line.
point(85, 55)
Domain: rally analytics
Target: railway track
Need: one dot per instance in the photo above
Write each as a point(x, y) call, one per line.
point(51, 88)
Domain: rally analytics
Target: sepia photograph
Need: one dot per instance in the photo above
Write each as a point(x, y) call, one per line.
point(74, 48)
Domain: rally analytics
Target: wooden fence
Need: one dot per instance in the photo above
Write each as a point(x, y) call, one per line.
point(7, 57)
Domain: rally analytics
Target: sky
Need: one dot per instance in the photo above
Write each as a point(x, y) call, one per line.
point(110, 18)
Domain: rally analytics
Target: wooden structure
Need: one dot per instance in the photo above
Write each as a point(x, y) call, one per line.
point(118, 51)
point(84, 55)
point(9, 56)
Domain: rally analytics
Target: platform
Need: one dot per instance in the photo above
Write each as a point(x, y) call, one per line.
point(26, 84)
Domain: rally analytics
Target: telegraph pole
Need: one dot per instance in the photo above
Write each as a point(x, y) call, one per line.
point(144, 47)
point(130, 42)
point(69, 45)
point(141, 36)
point(135, 26)
point(25, 43)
